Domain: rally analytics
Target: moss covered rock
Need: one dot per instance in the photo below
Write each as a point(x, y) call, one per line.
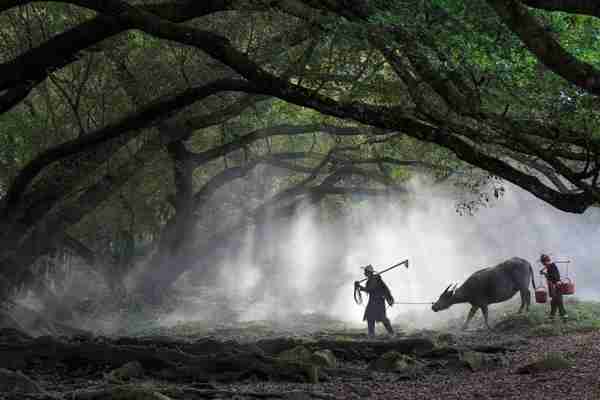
point(126, 372)
point(550, 362)
point(296, 354)
point(393, 361)
point(300, 356)
point(324, 358)
point(475, 360)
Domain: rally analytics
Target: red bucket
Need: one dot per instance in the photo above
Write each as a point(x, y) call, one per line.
point(541, 296)
point(566, 287)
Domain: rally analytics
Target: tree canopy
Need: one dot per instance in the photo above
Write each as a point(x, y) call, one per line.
point(121, 121)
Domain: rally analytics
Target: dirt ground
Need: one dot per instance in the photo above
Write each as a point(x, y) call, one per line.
point(579, 381)
point(80, 368)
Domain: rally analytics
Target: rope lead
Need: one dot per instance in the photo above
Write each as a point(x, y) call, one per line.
point(357, 295)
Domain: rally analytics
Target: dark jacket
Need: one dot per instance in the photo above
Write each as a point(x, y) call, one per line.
point(552, 274)
point(378, 294)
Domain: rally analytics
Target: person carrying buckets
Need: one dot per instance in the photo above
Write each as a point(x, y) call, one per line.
point(550, 271)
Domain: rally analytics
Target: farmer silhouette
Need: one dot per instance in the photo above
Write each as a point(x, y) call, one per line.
point(379, 293)
point(550, 271)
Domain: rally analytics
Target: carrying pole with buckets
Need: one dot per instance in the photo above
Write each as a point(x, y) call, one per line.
point(565, 286)
point(541, 295)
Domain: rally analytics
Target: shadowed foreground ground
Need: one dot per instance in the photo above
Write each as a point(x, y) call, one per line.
point(525, 357)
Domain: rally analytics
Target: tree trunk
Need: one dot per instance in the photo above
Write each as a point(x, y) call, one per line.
point(171, 259)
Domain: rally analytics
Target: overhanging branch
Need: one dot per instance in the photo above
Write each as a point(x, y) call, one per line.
point(584, 7)
point(545, 47)
point(147, 116)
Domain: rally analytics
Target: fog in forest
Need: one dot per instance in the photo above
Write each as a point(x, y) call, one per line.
point(309, 264)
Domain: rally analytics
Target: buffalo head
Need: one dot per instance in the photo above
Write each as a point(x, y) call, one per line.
point(445, 299)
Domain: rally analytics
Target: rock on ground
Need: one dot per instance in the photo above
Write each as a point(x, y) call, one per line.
point(11, 381)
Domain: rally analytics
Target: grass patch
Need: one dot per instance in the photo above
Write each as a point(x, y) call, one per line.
point(583, 316)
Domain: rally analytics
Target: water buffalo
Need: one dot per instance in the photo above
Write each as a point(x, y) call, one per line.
point(490, 285)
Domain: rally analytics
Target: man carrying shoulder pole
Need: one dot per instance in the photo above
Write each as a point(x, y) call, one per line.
point(379, 293)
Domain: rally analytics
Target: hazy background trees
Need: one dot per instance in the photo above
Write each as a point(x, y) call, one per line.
point(152, 137)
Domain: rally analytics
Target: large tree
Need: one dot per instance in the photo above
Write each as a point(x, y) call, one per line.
point(507, 87)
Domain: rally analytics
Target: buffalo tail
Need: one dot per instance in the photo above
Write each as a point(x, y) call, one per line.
point(532, 280)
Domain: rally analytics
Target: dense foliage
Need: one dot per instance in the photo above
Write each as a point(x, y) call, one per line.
point(122, 122)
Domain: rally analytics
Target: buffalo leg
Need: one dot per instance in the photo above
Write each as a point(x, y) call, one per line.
point(525, 300)
point(472, 312)
point(484, 311)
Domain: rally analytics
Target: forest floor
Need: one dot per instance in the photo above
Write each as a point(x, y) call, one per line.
point(524, 357)
point(578, 380)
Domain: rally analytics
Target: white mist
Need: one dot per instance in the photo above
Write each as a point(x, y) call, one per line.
point(314, 262)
